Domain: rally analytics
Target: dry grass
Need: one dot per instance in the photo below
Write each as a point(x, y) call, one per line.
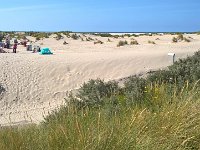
point(171, 123)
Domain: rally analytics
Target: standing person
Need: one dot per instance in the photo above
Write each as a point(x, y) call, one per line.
point(15, 48)
point(7, 43)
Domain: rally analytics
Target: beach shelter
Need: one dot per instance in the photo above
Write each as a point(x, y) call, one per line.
point(45, 51)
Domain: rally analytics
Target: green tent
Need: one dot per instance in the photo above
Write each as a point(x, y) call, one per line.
point(45, 51)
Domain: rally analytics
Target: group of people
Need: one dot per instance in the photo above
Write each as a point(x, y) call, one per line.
point(7, 44)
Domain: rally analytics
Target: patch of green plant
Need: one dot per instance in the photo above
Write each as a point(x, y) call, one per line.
point(103, 34)
point(174, 40)
point(109, 40)
point(93, 93)
point(59, 36)
point(180, 37)
point(98, 42)
point(151, 42)
point(122, 43)
point(134, 42)
point(183, 70)
point(75, 36)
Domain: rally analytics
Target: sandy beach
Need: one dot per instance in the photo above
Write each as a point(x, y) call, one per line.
point(37, 84)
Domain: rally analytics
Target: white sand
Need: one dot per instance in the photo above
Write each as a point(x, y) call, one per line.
point(36, 84)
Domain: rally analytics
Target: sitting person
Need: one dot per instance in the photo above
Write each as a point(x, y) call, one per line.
point(1, 50)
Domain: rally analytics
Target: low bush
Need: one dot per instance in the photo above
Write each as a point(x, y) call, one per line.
point(37, 38)
point(151, 42)
point(182, 71)
point(174, 40)
point(103, 34)
point(134, 88)
point(109, 40)
point(134, 42)
point(59, 36)
point(98, 42)
point(90, 39)
point(94, 92)
point(65, 43)
point(180, 37)
point(39, 35)
point(75, 36)
point(122, 43)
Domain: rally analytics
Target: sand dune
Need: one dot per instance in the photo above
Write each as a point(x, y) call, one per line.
point(36, 84)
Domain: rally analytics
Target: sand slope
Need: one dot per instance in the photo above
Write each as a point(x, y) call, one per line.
point(36, 84)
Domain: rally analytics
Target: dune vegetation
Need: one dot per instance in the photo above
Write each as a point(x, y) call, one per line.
point(122, 43)
point(158, 112)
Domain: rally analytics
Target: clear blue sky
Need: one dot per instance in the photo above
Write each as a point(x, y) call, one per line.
point(101, 15)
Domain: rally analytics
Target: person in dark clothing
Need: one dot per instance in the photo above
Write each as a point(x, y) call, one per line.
point(7, 43)
point(15, 48)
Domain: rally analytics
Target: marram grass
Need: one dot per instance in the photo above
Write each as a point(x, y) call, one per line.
point(172, 124)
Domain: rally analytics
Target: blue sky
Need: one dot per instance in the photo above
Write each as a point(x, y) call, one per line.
point(100, 16)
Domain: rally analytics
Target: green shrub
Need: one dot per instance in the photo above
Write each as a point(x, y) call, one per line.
point(103, 34)
point(180, 37)
point(90, 39)
point(128, 35)
point(122, 43)
point(174, 40)
point(75, 36)
point(39, 35)
point(37, 38)
point(134, 42)
point(181, 71)
point(134, 88)
point(98, 42)
point(109, 40)
point(151, 42)
point(116, 36)
point(59, 36)
point(93, 93)
point(134, 35)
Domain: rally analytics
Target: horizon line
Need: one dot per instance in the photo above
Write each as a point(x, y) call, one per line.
point(110, 32)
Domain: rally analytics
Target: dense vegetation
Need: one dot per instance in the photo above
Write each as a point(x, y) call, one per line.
point(158, 112)
point(181, 71)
